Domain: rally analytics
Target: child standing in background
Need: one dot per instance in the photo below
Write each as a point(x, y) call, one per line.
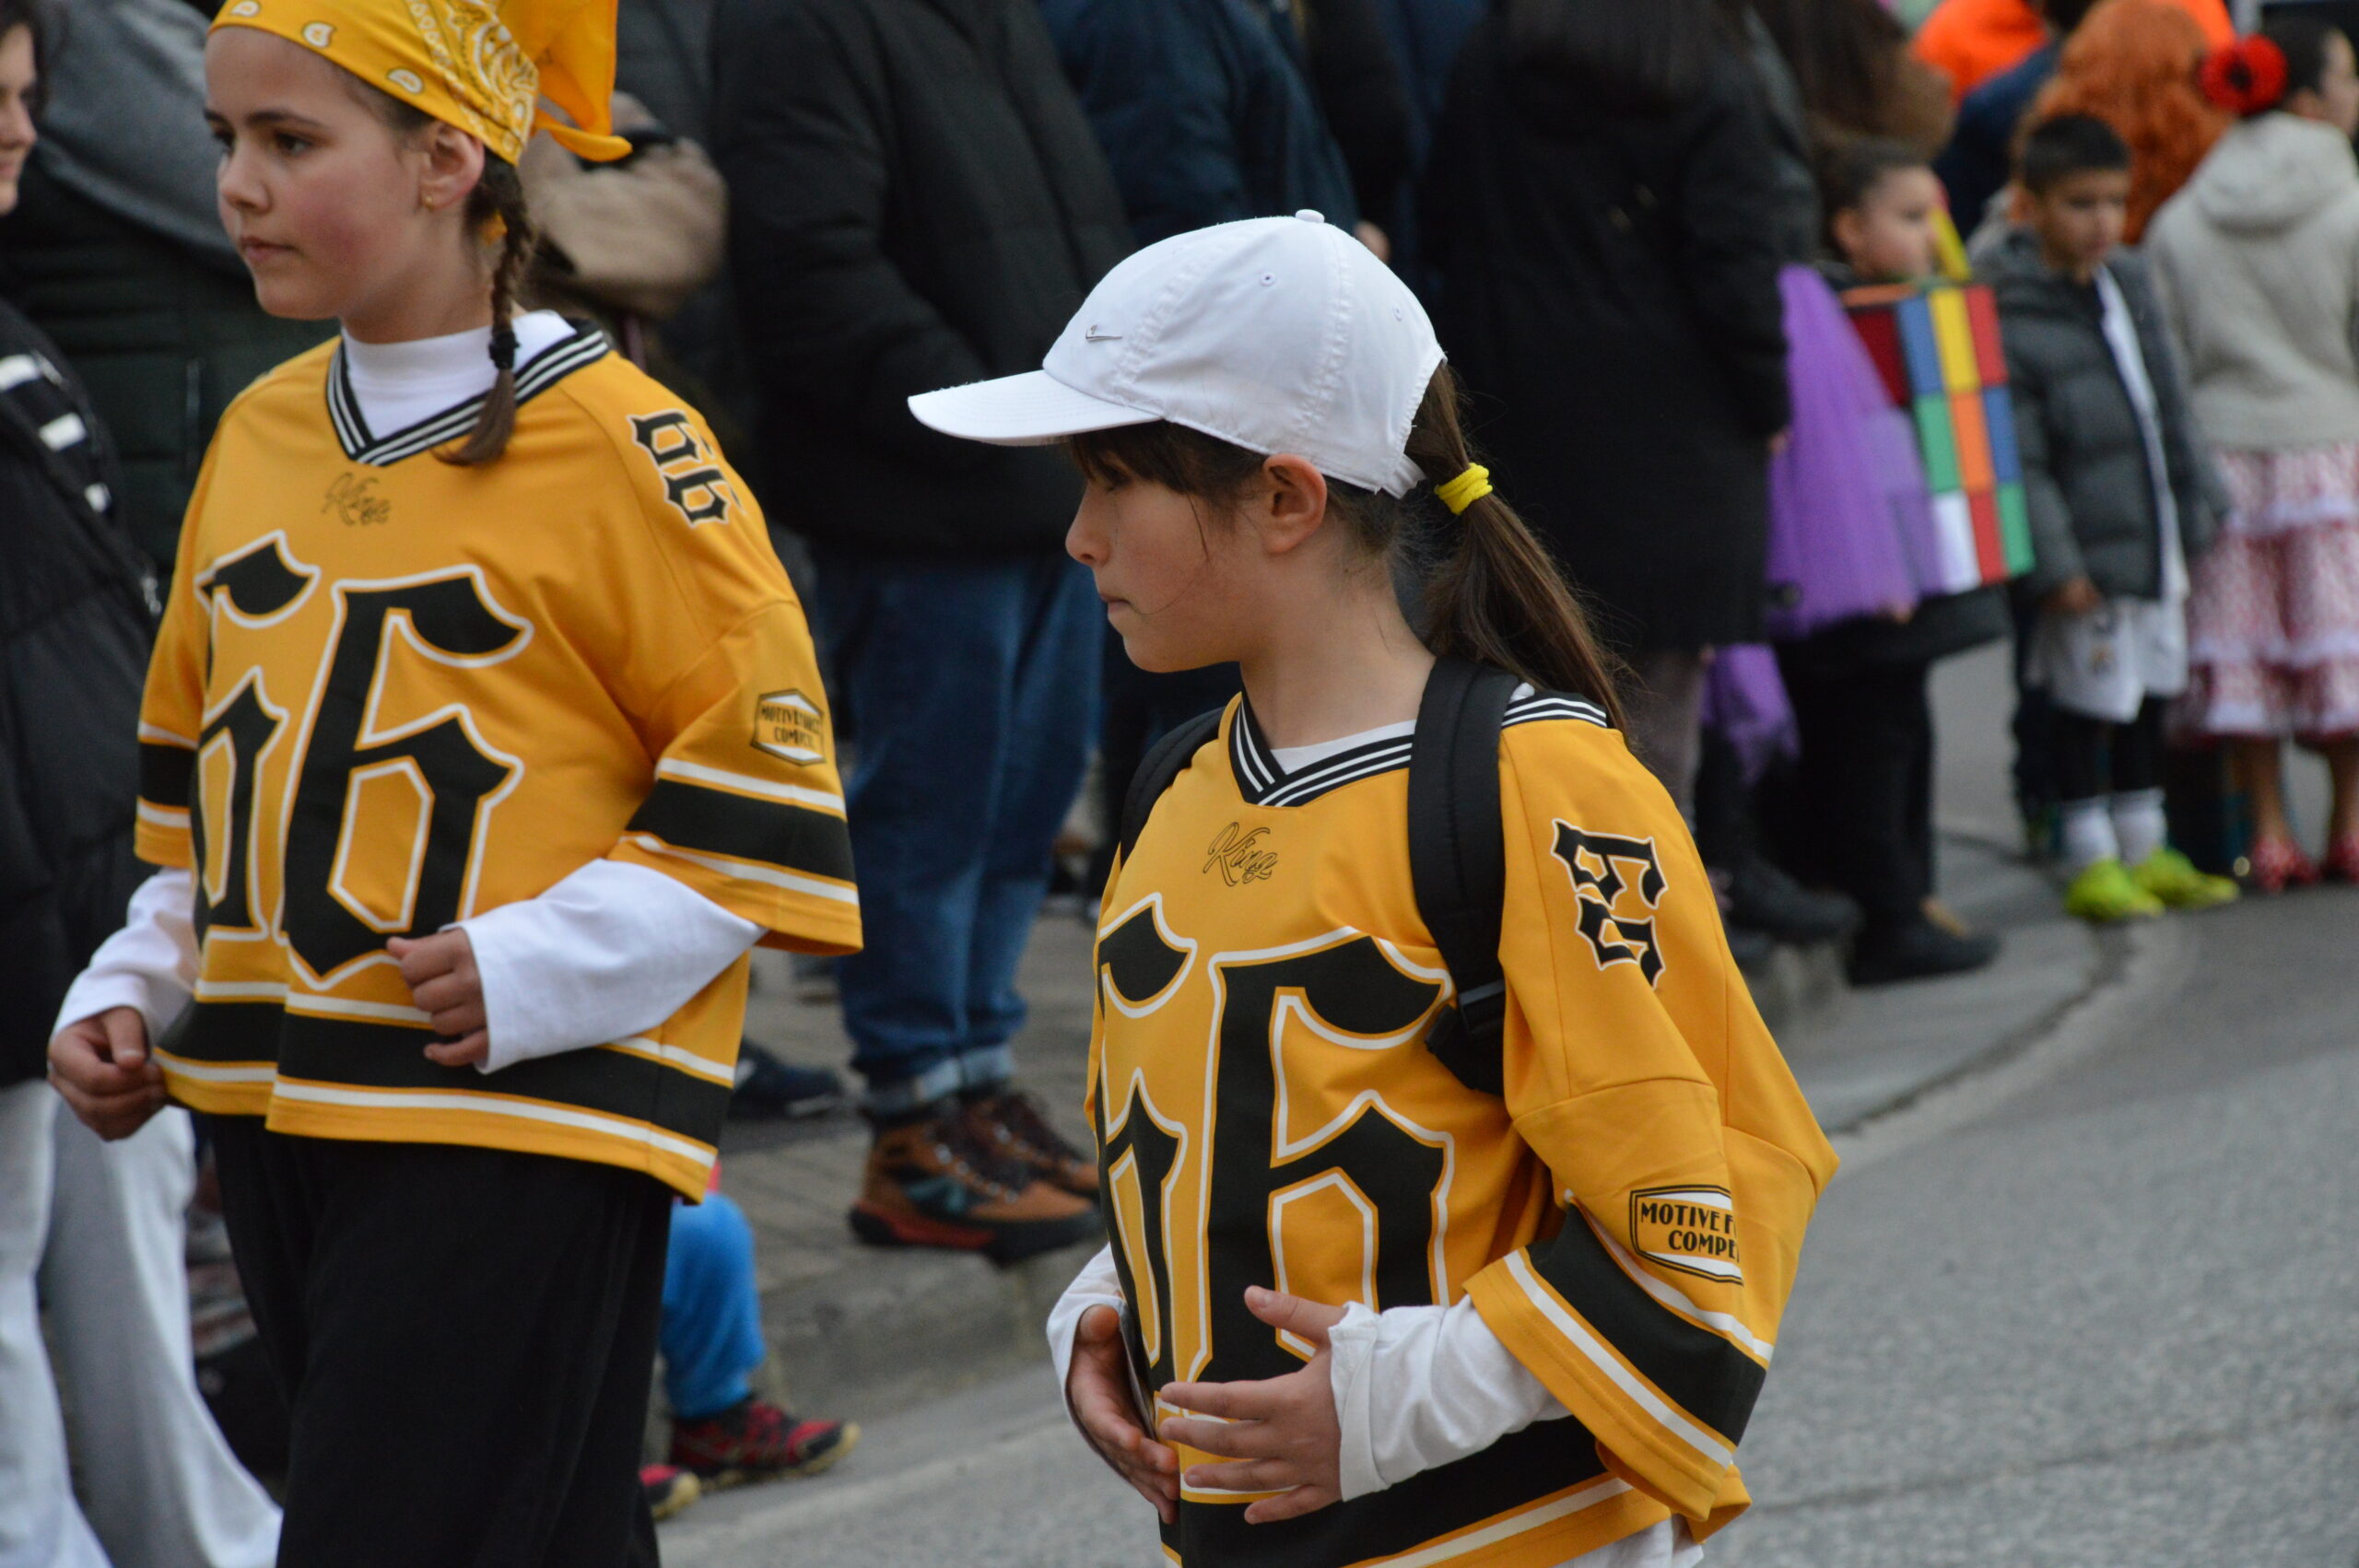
point(2258, 263)
point(2120, 499)
point(1859, 687)
point(482, 741)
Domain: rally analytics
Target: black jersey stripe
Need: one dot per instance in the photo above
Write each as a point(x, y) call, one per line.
point(717, 821)
point(360, 1054)
point(1543, 1459)
point(1694, 1368)
point(166, 774)
point(1333, 775)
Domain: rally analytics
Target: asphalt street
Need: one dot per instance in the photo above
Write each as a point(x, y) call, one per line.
point(2113, 1321)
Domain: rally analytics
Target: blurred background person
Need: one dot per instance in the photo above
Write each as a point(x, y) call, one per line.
point(1600, 211)
point(1972, 41)
point(116, 252)
point(1975, 166)
point(100, 1227)
point(2132, 64)
point(2258, 258)
point(917, 201)
point(1851, 62)
point(1863, 800)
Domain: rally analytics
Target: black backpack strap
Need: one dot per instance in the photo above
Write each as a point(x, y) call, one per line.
point(1164, 762)
point(1457, 858)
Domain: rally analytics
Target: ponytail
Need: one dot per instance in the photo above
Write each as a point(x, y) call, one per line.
point(1491, 591)
point(496, 205)
point(2259, 73)
point(495, 210)
point(1495, 595)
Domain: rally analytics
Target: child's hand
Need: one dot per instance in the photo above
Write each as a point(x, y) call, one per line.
point(1282, 1432)
point(2077, 597)
point(440, 973)
point(104, 1073)
point(1098, 1391)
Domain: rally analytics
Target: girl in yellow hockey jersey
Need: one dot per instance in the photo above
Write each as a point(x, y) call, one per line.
point(1388, 1306)
point(481, 743)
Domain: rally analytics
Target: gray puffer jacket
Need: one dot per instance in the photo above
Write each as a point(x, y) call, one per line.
point(2085, 478)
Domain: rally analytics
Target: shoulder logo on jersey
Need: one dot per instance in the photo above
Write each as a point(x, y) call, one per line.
point(1238, 856)
point(694, 482)
point(1617, 883)
point(355, 503)
point(1691, 1229)
point(790, 727)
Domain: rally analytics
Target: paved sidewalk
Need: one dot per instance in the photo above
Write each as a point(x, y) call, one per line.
point(857, 1330)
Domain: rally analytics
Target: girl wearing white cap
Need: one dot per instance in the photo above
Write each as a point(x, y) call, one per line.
point(1390, 1292)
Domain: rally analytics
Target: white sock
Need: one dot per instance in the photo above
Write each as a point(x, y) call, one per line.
point(2138, 824)
point(2088, 834)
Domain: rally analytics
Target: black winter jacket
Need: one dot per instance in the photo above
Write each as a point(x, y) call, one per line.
point(2086, 483)
point(75, 629)
point(915, 202)
point(161, 338)
point(1609, 291)
point(1201, 114)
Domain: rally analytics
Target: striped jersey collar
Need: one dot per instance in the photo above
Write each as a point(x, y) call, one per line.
point(1264, 783)
point(587, 344)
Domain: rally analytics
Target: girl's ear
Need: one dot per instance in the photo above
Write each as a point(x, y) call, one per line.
point(1292, 502)
point(449, 167)
point(1847, 232)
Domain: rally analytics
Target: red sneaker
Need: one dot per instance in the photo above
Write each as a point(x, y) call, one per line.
point(2279, 863)
point(2342, 858)
point(669, 1489)
point(757, 1441)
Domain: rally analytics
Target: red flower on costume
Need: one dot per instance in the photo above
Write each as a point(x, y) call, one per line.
point(2245, 78)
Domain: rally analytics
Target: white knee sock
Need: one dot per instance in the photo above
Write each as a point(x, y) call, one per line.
point(2138, 824)
point(2088, 834)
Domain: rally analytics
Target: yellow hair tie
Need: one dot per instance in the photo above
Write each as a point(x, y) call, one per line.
point(1466, 489)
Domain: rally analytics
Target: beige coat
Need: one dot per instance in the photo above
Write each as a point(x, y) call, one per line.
point(2257, 262)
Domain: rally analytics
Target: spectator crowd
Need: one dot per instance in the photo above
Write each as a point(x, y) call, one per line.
point(1643, 231)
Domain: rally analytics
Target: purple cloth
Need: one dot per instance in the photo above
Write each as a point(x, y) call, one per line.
point(1744, 701)
point(1836, 549)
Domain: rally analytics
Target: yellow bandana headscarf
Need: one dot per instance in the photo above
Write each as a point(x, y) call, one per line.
point(482, 65)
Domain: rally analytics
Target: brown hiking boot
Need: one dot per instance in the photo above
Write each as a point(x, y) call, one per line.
point(1012, 1123)
point(936, 1184)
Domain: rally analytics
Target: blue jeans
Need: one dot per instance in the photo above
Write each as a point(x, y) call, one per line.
point(970, 689)
point(711, 1335)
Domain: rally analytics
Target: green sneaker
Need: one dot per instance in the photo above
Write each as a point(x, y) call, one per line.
point(2105, 892)
point(2172, 877)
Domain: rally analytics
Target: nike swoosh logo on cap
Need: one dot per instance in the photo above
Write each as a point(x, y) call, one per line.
point(1094, 335)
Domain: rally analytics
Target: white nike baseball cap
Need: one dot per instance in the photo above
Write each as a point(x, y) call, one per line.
point(1277, 334)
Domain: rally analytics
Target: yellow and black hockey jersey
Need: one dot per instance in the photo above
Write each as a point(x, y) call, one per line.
point(390, 692)
point(1626, 1217)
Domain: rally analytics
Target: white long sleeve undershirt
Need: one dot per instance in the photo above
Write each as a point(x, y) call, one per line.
point(609, 952)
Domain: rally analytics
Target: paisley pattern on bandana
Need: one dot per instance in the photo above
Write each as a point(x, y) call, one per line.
point(482, 66)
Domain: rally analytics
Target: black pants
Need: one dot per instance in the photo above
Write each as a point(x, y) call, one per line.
point(2095, 757)
point(465, 1337)
point(1864, 788)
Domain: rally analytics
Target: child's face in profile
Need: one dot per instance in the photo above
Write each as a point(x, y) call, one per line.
point(1890, 235)
point(2080, 218)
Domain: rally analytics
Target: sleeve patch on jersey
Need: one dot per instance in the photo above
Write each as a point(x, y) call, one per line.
point(695, 483)
point(790, 727)
point(1691, 1229)
point(1617, 884)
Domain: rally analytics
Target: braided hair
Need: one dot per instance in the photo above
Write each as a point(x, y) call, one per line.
point(495, 210)
point(496, 205)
